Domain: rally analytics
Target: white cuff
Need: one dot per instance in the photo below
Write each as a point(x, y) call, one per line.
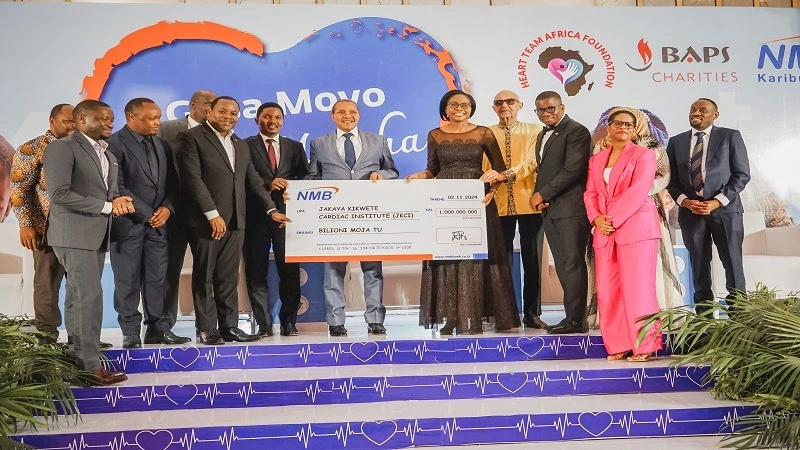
point(211, 214)
point(722, 199)
point(107, 208)
point(680, 199)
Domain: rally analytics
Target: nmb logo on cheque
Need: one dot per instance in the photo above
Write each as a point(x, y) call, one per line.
point(317, 193)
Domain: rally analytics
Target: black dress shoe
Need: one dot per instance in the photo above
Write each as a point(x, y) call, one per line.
point(569, 326)
point(105, 344)
point(235, 334)
point(172, 339)
point(337, 330)
point(288, 329)
point(534, 322)
point(131, 341)
point(376, 328)
point(265, 330)
point(210, 337)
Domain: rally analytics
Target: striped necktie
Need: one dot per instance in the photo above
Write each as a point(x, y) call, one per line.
point(696, 164)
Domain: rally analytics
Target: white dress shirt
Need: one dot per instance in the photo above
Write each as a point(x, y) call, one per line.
point(355, 139)
point(546, 135)
point(276, 145)
point(192, 123)
point(104, 167)
point(706, 137)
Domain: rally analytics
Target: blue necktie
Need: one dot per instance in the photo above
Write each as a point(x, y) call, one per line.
point(349, 150)
point(696, 164)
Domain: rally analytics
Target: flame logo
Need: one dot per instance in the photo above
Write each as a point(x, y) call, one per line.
point(645, 53)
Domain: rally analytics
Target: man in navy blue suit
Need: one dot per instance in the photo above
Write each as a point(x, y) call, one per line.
point(139, 240)
point(709, 169)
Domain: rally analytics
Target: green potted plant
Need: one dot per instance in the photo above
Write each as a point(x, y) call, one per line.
point(35, 381)
point(753, 356)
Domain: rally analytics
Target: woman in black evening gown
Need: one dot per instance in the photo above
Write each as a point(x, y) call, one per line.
point(466, 292)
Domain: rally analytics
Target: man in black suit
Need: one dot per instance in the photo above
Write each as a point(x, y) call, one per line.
point(709, 168)
point(215, 170)
point(563, 149)
point(139, 240)
point(277, 159)
point(176, 228)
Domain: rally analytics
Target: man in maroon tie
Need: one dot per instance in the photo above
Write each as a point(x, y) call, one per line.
point(277, 159)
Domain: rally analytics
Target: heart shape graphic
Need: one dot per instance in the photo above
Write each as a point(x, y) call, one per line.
point(184, 356)
point(512, 382)
point(180, 394)
point(595, 423)
point(379, 432)
point(364, 351)
point(530, 346)
point(696, 375)
point(154, 440)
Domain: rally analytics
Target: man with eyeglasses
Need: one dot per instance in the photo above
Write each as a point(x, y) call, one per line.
point(562, 156)
point(517, 142)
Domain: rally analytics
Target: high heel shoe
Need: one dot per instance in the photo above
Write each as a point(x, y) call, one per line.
point(642, 357)
point(618, 356)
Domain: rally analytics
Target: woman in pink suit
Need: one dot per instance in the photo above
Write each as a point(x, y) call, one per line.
point(626, 236)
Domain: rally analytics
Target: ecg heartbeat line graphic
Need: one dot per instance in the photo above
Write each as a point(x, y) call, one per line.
point(490, 349)
point(404, 432)
point(377, 389)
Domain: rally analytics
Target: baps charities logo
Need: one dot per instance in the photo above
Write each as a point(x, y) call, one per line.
point(683, 64)
point(568, 60)
point(167, 62)
point(317, 193)
point(779, 61)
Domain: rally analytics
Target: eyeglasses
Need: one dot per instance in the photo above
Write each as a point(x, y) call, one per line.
point(548, 110)
point(622, 125)
point(464, 106)
point(508, 101)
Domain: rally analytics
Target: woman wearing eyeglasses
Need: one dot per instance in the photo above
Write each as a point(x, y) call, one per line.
point(625, 239)
point(466, 292)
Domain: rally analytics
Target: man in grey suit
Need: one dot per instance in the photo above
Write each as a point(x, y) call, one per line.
point(82, 183)
point(139, 240)
point(199, 105)
point(351, 154)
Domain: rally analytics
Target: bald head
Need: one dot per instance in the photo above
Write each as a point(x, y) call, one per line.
point(506, 105)
point(200, 104)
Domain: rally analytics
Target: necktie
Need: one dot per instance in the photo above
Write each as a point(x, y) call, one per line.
point(696, 164)
point(101, 155)
point(273, 158)
point(152, 159)
point(349, 150)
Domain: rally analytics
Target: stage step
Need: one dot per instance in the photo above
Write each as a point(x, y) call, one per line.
point(399, 424)
point(371, 351)
point(346, 385)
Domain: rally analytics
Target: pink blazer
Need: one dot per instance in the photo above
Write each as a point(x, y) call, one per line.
point(633, 213)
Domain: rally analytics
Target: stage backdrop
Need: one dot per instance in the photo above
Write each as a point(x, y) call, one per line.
point(396, 62)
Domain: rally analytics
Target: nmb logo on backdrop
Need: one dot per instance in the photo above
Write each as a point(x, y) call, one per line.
point(779, 61)
point(395, 72)
point(684, 64)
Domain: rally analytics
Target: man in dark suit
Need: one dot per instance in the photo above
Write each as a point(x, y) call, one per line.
point(563, 149)
point(139, 240)
point(351, 154)
point(176, 228)
point(709, 168)
point(277, 159)
point(215, 170)
point(82, 183)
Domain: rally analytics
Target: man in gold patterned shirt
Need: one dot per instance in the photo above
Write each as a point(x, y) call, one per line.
point(518, 139)
point(30, 202)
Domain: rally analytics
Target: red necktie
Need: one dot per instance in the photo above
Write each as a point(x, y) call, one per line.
point(273, 160)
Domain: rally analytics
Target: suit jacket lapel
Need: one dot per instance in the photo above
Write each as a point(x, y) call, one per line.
point(336, 156)
point(285, 162)
point(262, 152)
point(539, 138)
point(554, 134)
point(619, 167)
point(365, 148)
point(212, 137)
point(89, 149)
point(134, 148)
point(713, 143)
